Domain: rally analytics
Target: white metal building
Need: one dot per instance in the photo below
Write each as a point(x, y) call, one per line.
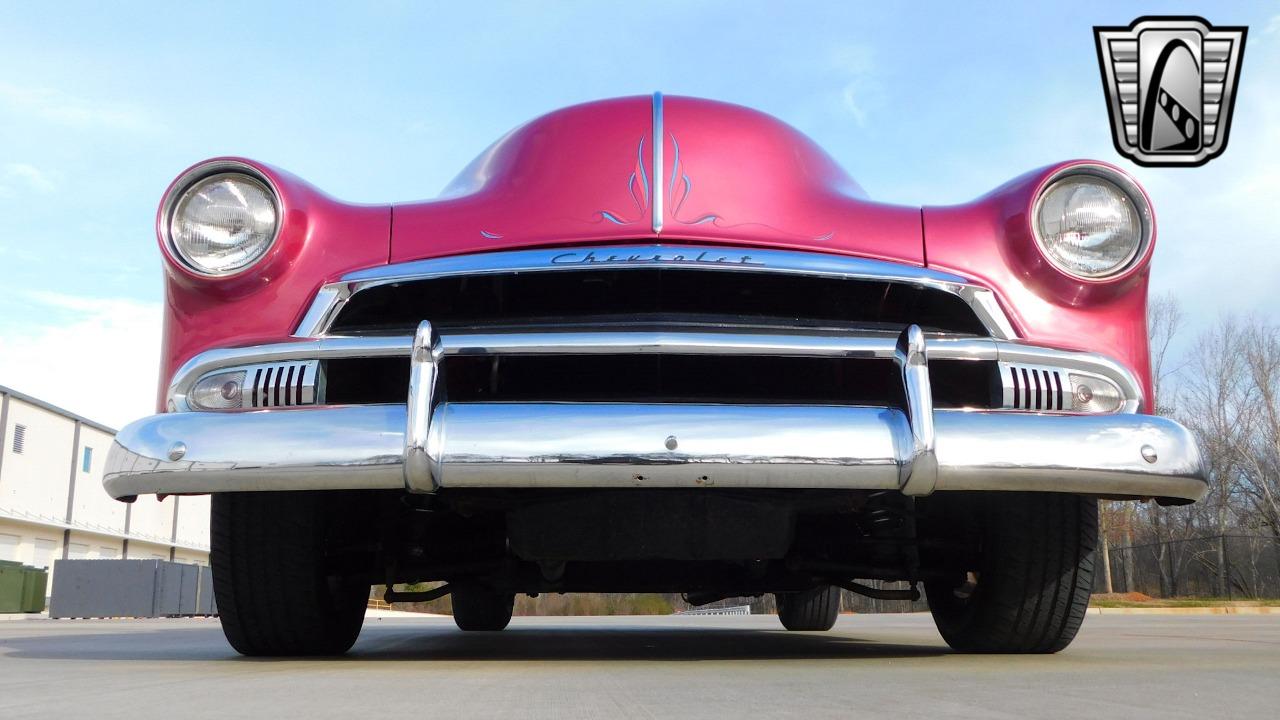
point(52, 504)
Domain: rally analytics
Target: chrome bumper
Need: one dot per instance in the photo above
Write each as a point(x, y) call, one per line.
point(426, 445)
point(624, 445)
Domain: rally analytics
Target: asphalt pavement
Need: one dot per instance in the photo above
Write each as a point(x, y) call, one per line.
point(882, 666)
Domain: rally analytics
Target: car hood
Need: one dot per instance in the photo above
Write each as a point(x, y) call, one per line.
point(718, 173)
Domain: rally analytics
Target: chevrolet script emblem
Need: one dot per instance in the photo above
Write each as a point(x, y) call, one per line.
point(1170, 84)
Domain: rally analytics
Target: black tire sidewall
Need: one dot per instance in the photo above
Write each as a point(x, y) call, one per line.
point(1034, 576)
point(481, 609)
point(275, 594)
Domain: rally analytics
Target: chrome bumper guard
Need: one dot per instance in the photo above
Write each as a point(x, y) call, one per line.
point(427, 444)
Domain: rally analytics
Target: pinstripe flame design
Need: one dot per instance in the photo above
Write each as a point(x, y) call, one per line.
point(638, 187)
point(659, 200)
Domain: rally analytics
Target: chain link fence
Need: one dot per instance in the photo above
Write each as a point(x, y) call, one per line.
point(1228, 567)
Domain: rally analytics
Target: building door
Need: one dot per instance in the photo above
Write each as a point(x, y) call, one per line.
point(43, 557)
point(9, 546)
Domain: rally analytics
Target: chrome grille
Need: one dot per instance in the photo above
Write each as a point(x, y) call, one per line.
point(647, 297)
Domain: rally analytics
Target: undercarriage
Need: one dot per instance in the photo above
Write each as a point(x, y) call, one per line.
point(484, 547)
point(707, 544)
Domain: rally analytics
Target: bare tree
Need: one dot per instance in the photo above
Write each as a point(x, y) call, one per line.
point(1226, 389)
point(1213, 406)
point(1260, 450)
point(1165, 321)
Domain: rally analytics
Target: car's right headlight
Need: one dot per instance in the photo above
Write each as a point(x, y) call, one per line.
point(1091, 224)
point(223, 222)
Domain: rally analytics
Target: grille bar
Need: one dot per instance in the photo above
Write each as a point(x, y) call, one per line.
point(1006, 381)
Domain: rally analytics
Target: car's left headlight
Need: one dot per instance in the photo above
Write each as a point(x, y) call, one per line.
point(1090, 225)
point(222, 223)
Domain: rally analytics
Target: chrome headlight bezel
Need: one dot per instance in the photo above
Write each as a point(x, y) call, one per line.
point(202, 174)
point(1119, 181)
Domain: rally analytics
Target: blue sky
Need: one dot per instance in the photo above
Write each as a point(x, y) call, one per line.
point(924, 103)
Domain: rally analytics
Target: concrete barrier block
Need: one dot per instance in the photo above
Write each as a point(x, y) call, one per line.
point(104, 588)
point(129, 588)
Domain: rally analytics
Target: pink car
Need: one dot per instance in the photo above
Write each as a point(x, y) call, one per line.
point(663, 345)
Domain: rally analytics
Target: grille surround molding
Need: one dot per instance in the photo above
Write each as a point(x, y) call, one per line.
point(332, 297)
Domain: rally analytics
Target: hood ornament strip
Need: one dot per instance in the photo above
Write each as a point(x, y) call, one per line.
point(656, 175)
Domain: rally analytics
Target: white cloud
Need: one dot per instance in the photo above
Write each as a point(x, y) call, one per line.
point(851, 97)
point(19, 253)
point(16, 175)
point(1217, 227)
point(58, 107)
point(1273, 26)
point(861, 91)
point(98, 357)
point(1254, 188)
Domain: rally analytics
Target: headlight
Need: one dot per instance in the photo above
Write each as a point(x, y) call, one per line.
point(1089, 226)
point(223, 223)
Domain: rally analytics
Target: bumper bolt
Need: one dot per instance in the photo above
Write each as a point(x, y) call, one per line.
point(177, 450)
point(671, 442)
point(1149, 454)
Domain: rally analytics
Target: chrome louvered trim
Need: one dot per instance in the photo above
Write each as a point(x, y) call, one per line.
point(1034, 387)
point(332, 297)
point(287, 384)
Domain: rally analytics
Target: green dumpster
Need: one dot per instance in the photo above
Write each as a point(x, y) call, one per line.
point(22, 588)
point(35, 581)
point(12, 579)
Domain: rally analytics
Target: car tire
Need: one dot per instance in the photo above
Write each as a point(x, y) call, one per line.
point(811, 610)
point(477, 608)
point(275, 593)
point(1033, 575)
